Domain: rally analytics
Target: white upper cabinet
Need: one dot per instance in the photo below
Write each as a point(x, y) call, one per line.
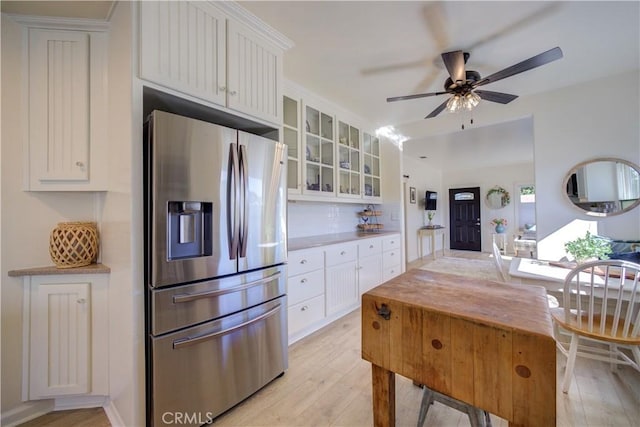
point(203, 50)
point(182, 46)
point(67, 99)
point(254, 74)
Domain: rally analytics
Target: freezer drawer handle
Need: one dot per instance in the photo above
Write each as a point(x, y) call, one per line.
point(184, 342)
point(210, 294)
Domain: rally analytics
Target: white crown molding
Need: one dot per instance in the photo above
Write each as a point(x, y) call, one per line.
point(60, 23)
point(242, 15)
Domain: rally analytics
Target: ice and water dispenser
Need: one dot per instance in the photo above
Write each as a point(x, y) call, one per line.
point(189, 229)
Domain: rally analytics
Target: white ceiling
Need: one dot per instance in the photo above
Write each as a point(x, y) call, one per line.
point(358, 53)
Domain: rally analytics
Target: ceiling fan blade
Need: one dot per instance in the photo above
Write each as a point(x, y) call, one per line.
point(454, 61)
point(546, 10)
point(499, 97)
point(526, 65)
point(437, 110)
point(419, 95)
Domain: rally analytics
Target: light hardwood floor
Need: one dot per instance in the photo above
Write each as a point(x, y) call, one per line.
point(328, 384)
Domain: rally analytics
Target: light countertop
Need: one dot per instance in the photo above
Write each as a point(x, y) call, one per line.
point(53, 270)
point(330, 239)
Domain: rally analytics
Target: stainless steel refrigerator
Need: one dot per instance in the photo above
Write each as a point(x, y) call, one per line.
point(215, 254)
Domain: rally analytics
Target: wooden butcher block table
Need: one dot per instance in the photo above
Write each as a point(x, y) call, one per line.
point(485, 343)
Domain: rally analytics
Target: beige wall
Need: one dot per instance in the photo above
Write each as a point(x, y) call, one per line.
point(122, 222)
point(570, 125)
point(27, 217)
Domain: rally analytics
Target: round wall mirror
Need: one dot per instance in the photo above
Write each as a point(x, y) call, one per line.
point(604, 187)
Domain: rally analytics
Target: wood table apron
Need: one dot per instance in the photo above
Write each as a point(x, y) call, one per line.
point(485, 343)
point(431, 233)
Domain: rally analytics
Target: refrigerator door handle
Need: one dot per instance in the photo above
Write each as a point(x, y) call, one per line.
point(182, 298)
point(184, 342)
point(232, 202)
point(244, 183)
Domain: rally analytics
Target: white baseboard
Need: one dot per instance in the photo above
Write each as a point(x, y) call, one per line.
point(78, 402)
point(113, 415)
point(26, 412)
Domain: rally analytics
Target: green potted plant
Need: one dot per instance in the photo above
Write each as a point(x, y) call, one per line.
point(588, 247)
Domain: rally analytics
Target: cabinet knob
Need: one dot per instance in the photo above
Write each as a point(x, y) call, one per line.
point(222, 88)
point(79, 164)
point(304, 308)
point(370, 246)
point(303, 261)
point(303, 281)
point(393, 253)
point(232, 93)
point(81, 300)
point(343, 253)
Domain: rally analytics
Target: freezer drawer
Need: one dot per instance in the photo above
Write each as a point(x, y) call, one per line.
point(182, 306)
point(200, 372)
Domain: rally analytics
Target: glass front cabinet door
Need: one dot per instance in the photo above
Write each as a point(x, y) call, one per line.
point(349, 182)
point(319, 148)
point(291, 137)
point(371, 169)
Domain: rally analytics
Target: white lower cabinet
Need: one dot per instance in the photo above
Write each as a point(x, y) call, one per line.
point(391, 259)
point(305, 290)
point(326, 282)
point(66, 336)
point(342, 280)
point(369, 264)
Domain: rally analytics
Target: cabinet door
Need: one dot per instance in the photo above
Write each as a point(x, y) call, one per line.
point(182, 46)
point(254, 79)
point(58, 105)
point(369, 272)
point(59, 339)
point(67, 111)
point(348, 161)
point(291, 137)
point(318, 141)
point(341, 287)
point(371, 166)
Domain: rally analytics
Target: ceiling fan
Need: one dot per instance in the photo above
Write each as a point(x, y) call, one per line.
point(462, 84)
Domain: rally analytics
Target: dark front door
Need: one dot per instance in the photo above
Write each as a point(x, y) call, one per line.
point(464, 218)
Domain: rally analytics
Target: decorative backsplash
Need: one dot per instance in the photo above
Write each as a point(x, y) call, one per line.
point(313, 219)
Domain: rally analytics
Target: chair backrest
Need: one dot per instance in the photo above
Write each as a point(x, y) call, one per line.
point(602, 298)
point(497, 259)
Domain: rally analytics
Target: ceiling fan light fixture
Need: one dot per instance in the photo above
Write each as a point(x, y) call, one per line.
point(470, 101)
point(454, 104)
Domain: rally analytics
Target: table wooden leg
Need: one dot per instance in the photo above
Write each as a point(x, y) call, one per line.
point(384, 397)
point(433, 245)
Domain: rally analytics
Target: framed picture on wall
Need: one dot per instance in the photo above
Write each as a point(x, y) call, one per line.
point(412, 194)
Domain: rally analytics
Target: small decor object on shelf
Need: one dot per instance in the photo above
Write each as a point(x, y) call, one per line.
point(587, 248)
point(369, 219)
point(498, 197)
point(500, 224)
point(430, 215)
point(74, 244)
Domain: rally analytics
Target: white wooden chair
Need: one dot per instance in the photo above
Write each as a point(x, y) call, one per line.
point(505, 277)
point(602, 321)
point(503, 274)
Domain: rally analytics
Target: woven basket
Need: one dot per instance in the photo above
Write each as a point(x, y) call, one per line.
point(74, 244)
